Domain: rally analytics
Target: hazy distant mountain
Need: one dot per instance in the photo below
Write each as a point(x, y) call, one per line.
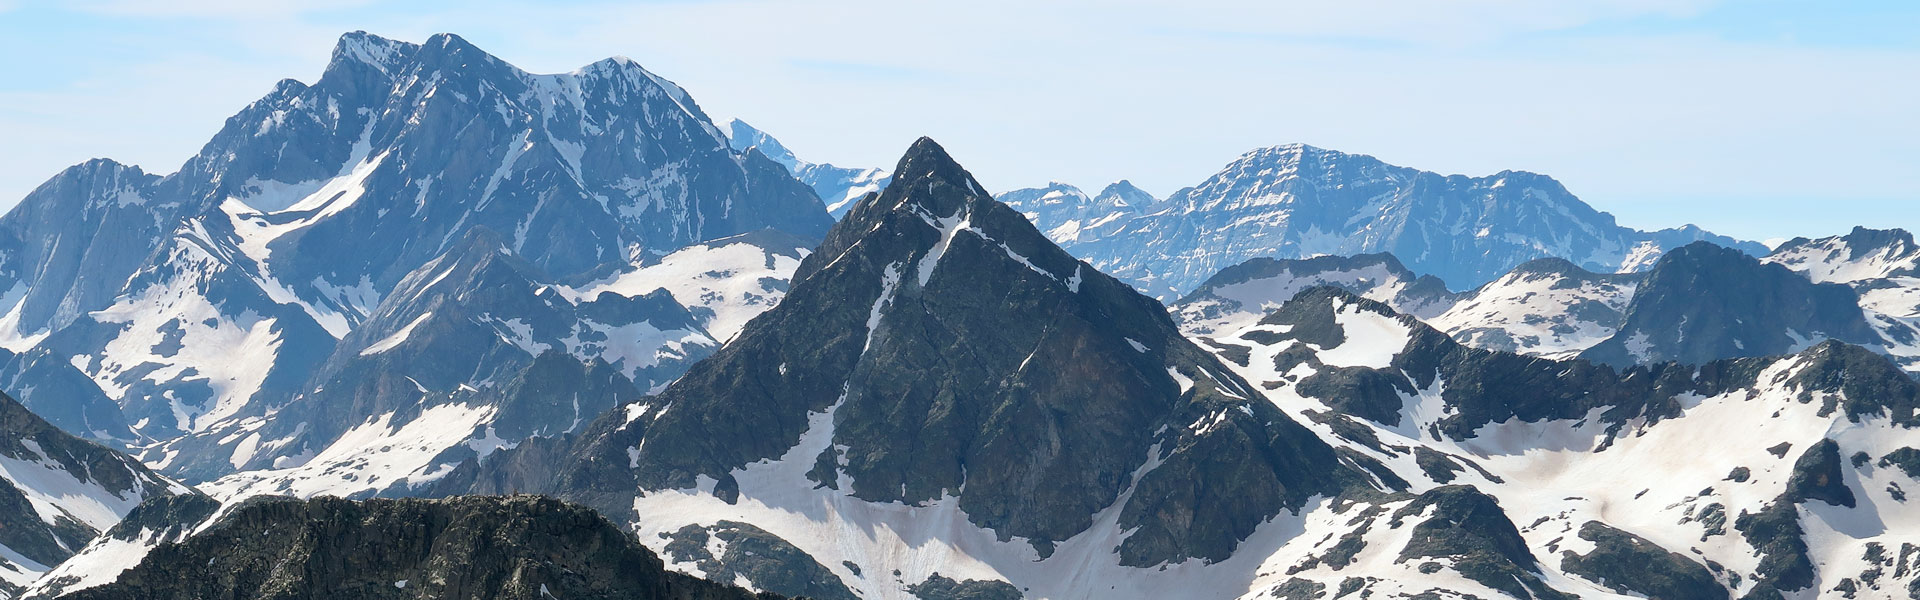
point(1298, 201)
point(839, 187)
point(1062, 210)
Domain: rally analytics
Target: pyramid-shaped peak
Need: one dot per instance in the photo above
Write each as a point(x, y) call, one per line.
point(742, 136)
point(1124, 194)
point(934, 315)
point(925, 157)
point(920, 175)
point(745, 134)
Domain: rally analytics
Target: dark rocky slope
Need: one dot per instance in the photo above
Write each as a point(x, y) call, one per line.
point(518, 547)
point(57, 492)
point(1703, 302)
point(960, 353)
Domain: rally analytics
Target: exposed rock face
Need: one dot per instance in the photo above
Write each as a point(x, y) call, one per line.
point(479, 547)
point(57, 492)
point(939, 587)
point(1467, 527)
point(938, 402)
point(159, 520)
point(1552, 308)
point(1298, 201)
point(1480, 386)
point(608, 158)
point(1704, 302)
point(734, 551)
point(70, 245)
point(874, 369)
point(1630, 564)
point(1484, 387)
point(472, 352)
point(1818, 475)
point(1124, 193)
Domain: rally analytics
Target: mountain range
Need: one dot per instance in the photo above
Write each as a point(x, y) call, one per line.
point(1407, 463)
point(1298, 201)
point(433, 326)
point(396, 245)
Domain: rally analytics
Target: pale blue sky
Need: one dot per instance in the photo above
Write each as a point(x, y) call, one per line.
point(1759, 119)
